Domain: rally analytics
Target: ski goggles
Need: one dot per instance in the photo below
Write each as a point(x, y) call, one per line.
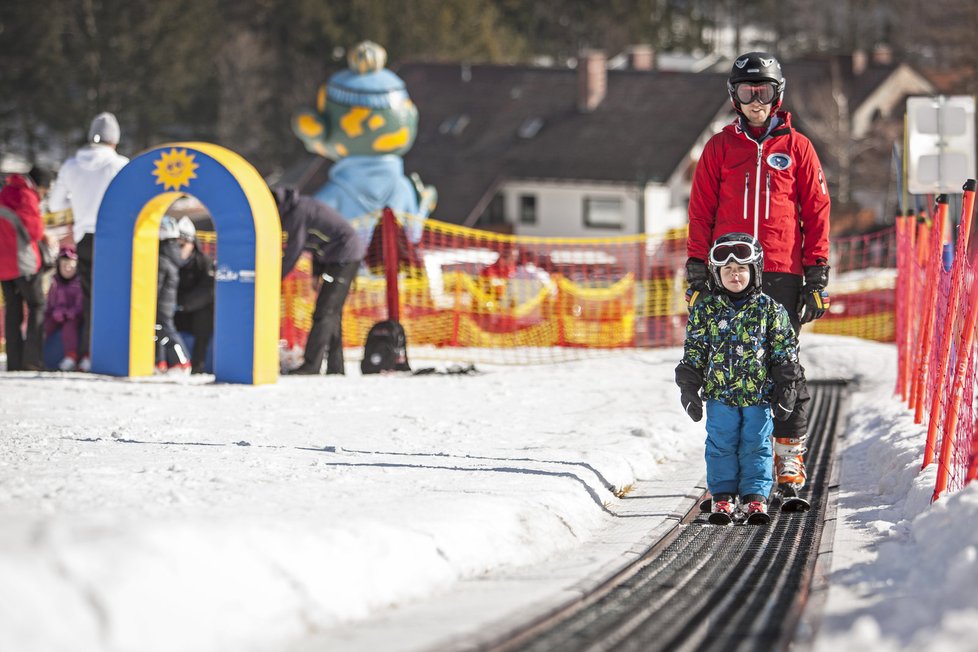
point(745, 93)
point(723, 253)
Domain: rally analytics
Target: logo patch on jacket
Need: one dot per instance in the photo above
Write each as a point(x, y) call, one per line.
point(779, 161)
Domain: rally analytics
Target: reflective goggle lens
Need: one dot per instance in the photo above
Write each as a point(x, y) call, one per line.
point(747, 93)
point(740, 252)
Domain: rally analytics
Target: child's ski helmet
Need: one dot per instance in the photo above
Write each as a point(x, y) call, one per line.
point(168, 228)
point(186, 228)
point(756, 67)
point(742, 248)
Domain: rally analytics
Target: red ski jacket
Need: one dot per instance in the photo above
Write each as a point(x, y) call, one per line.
point(774, 190)
point(21, 227)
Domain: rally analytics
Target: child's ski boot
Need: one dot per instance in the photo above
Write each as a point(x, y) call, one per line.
point(722, 511)
point(754, 507)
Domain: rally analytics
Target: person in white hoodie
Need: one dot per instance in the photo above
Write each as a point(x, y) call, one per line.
point(80, 185)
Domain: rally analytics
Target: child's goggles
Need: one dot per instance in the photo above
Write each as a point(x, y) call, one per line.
point(723, 253)
point(745, 93)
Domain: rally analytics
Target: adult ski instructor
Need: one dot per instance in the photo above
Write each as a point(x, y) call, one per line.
point(761, 176)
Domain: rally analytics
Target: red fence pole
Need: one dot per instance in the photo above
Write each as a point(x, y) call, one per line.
point(930, 309)
point(921, 233)
point(957, 278)
point(954, 408)
point(391, 263)
point(904, 254)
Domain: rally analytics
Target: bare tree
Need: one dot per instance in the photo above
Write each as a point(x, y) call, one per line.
point(827, 120)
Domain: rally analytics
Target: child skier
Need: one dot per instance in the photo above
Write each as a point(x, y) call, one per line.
point(64, 307)
point(171, 352)
point(741, 350)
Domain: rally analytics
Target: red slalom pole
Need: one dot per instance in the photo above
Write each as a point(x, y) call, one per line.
point(954, 407)
point(930, 309)
point(391, 263)
point(902, 299)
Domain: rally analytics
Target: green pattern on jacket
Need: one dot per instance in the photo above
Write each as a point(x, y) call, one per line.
point(735, 348)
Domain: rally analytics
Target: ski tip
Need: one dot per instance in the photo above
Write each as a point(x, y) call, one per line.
point(795, 505)
point(719, 518)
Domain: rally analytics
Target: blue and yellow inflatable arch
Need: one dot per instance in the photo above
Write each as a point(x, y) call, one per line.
point(249, 261)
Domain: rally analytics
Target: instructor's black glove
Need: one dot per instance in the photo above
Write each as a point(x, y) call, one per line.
point(698, 279)
point(690, 381)
point(785, 377)
point(814, 300)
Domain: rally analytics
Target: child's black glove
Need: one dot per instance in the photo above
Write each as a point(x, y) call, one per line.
point(690, 381)
point(814, 300)
point(698, 279)
point(785, 377)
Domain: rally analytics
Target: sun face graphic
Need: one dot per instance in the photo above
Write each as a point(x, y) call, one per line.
point(175, 169)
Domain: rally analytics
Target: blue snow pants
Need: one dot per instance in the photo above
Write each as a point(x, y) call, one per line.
point(739, 453)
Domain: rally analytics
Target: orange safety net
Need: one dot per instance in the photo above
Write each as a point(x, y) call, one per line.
point(937, 313)
point(861, 286)
point(474, 295)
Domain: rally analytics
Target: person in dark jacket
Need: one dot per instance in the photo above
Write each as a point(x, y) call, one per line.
point(195, 294)
point(21, 273)
point(171, 352)
point(66, 303)
point(336, 251)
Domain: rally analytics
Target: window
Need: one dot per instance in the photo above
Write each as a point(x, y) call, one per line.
point(454, 125)
point(603, 213)
point(528, 209)
point(494, 213)
point(530, 128)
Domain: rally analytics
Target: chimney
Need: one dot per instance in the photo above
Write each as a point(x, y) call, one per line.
point(641, 57)
point(882, 54)
point(859, 62)
point(592, 79)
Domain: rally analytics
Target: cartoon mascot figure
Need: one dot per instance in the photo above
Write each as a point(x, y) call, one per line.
point(365, 121)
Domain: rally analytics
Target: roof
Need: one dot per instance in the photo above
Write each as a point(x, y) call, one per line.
point(471, 118)
point(807, 72)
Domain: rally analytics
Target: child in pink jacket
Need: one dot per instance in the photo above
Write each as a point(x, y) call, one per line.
point(64, 309)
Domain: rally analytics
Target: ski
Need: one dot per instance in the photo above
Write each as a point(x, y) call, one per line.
point(788, 500)
point(758, 518)
point(792, 505)
point(739, 517)
point(719, 518)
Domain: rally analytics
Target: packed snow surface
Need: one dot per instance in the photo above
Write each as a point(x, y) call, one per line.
point(162, 514)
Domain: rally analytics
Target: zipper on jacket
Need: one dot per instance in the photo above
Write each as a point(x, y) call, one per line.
point(746, 192)
point(767, 200)
point(757, 191)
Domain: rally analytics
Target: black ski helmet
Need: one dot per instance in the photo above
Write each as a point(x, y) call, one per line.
point(756, 67)
point(742, 248)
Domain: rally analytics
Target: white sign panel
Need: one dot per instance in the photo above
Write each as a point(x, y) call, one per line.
point(940, 143)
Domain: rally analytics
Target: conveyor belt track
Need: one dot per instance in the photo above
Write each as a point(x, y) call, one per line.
point(705, 587)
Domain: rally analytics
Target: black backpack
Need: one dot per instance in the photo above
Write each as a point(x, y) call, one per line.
point(385, 348)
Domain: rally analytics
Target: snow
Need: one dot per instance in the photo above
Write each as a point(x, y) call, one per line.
point(402, 512)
